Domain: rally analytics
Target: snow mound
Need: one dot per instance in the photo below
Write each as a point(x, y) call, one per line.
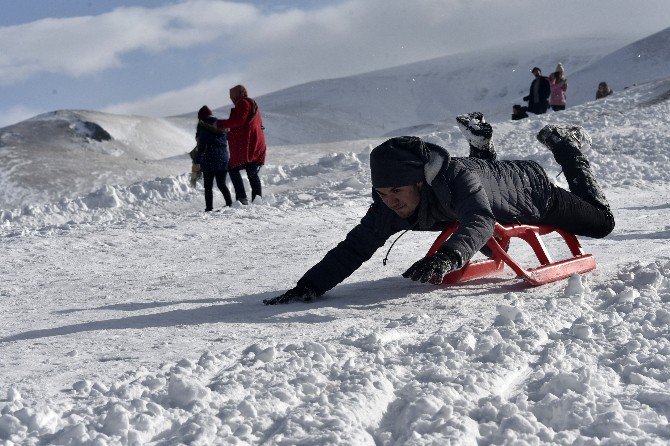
point(107, 204)
point(136, 136)
point(291, 186)
point(83, 151)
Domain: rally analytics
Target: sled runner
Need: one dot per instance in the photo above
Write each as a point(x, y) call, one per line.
point(548, 271)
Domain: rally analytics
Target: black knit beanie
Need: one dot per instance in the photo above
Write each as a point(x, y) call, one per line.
point(204, 112)
point(398, 162)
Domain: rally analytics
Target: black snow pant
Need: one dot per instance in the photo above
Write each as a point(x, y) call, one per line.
point(208, 181)
point(577, 216)
point(252, 170)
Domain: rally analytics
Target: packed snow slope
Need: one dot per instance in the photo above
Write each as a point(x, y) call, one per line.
point(129, 316)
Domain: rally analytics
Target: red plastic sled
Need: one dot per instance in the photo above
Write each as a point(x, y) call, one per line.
point(548, 271)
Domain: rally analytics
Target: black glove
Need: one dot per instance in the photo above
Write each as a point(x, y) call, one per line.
point(432, 269)
point(300, 292)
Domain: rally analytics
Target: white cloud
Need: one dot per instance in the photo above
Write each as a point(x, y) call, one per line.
point(85, 45)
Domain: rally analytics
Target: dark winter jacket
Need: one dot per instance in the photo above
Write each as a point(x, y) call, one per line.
point(247, 141)
point(473, 192)
point(213, 155)
point(538, 101)
point(603, 93)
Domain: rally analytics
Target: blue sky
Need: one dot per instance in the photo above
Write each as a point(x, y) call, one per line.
point(166, 57)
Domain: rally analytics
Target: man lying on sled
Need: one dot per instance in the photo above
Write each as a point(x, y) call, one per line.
point(419, 186)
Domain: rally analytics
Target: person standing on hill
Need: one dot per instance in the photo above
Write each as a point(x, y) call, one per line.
point(540, 90)
point(247, 143)
point(211, 157)
point(603, 90)
point(559, 85)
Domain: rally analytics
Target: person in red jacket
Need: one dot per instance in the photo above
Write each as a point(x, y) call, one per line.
point(246, 141)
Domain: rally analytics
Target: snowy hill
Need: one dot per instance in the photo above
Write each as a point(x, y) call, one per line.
point(645, 60)
point(424, 95)
point(132, 317)
point(64, 154)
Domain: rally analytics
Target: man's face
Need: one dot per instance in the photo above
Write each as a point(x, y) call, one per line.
point(537, 73)
point(402, 200)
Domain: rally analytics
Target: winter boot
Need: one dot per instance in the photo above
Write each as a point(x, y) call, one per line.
point(478, 132)
point(566, 144)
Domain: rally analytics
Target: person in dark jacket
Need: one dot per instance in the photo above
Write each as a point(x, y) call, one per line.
point(247, 142)
point(420, 186)
point(212, 157)
point(603, 90)
point(540, 90)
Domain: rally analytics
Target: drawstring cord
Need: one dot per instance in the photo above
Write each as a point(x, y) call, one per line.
point(391, 247)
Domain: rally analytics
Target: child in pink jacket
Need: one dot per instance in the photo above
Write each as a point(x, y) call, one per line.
point(559, 85)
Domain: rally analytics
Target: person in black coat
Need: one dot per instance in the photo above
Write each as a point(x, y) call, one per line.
point(419, 186)
point(540, 90)
point(212, 157)
point(603, 90)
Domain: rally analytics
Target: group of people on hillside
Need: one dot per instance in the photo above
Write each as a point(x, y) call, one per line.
point(549, 92)
point(228, 146)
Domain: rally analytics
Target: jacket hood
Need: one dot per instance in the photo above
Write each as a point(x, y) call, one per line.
point(438, 157)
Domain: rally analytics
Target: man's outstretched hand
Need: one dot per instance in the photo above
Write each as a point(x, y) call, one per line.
point(431, 269)
point(301, 293)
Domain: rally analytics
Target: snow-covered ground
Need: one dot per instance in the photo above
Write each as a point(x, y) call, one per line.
point(129, 316)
